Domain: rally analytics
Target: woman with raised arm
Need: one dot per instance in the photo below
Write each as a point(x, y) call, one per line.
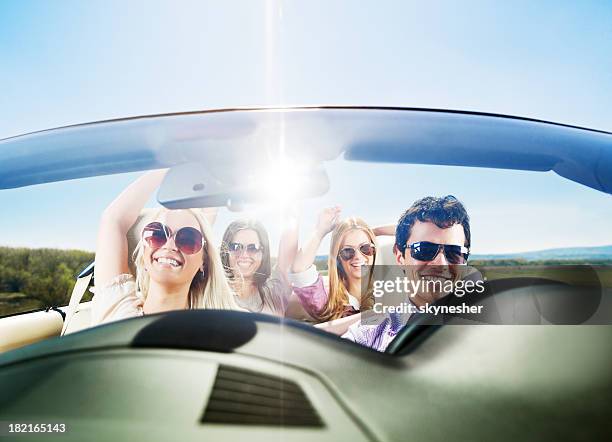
point(245, 254)
point(353, 244)
point(177, 266)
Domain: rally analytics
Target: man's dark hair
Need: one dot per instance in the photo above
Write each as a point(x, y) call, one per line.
point(443, 212)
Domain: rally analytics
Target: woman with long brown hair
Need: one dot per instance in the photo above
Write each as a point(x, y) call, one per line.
point(353, 245)
point(245, 255)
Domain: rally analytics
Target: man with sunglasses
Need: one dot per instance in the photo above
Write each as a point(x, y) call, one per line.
point(432, 239)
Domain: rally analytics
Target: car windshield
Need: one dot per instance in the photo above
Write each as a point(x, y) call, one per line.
point(519, 220)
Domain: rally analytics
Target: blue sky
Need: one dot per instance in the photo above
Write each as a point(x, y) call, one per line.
point(71, 62)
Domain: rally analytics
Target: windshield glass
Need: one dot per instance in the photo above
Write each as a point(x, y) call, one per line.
point(518, 220)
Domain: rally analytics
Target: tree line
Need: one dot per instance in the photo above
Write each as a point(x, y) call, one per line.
point(47, 275)
point(541, 262)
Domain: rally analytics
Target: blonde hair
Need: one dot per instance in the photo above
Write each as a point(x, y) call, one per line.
point(338, 282)
point(209, 289)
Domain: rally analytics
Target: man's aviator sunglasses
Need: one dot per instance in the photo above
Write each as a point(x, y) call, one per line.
point(187, 239)
point(427, 251)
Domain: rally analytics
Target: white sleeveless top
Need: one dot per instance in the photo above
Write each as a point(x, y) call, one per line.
point(118, 300)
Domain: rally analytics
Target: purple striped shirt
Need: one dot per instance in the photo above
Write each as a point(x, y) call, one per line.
point(377, 336)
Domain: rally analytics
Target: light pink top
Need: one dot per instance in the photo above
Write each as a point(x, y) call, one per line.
point(310, 290)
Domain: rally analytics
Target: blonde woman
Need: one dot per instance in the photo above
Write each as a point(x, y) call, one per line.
point(353, 244)
point(177, 266)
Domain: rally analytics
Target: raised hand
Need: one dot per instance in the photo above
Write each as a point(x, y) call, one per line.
point(328, 218)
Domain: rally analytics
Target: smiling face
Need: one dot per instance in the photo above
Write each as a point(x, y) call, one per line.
point(353, 239)
point(242, 262)
point(437, 269)
point(167, 264)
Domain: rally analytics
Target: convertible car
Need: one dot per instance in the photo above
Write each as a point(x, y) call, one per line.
point(540, 368)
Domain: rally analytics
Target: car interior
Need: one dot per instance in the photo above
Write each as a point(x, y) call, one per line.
point(524, 370)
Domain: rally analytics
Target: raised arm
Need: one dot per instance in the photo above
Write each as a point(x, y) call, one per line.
point(328, 219)
point(288, 246)
point(388, 230)
point(116, 220)
point(210, 213)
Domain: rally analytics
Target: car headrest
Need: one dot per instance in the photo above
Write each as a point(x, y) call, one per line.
point(384, 251)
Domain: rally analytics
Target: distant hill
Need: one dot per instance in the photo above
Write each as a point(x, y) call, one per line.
point(570, 253)
point(602, 253)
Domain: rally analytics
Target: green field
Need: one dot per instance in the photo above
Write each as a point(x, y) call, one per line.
point(575, 275)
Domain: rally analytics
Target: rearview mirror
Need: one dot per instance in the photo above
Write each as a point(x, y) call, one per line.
point(193, 185)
